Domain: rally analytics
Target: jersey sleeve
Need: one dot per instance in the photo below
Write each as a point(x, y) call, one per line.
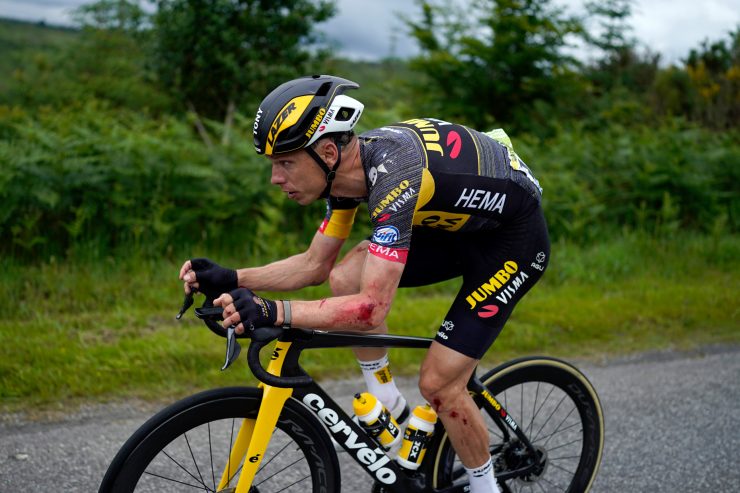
point(340, 215)
point(395, 178)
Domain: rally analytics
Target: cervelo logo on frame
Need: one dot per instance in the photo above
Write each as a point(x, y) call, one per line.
point(385, 235)
point(372, 459)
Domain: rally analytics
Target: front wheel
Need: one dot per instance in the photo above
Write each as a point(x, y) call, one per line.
point(185, 448)
point(558, 410)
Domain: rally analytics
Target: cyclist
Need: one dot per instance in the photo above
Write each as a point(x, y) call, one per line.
point(445, 201)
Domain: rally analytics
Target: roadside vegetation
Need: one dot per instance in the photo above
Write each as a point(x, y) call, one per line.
point(125, 149)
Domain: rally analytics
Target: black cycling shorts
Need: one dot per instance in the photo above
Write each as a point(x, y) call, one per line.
point(498, 267)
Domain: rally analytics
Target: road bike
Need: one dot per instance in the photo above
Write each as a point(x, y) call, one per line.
point(546, 428)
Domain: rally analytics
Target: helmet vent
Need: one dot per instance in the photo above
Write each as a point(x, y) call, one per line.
point(324, 89)
point(311, 114)
point(344, 114)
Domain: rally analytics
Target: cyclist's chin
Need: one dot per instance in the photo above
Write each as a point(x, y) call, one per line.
point(302, 198)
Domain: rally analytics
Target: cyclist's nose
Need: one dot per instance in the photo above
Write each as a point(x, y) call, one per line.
point(278, 176)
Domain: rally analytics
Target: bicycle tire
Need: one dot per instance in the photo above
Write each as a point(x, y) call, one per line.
point(572, 442)
point(185, 448)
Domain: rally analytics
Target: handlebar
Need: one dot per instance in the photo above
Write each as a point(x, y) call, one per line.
point(307, 338)
point(261, 336)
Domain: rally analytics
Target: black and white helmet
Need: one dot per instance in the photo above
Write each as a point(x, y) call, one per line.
point(295, 114)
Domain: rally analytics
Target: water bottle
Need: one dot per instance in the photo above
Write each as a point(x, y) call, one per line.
point(376, 419)
point(415, 439)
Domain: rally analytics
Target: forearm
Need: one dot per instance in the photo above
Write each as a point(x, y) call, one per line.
point(289, 274)
point(353, 312)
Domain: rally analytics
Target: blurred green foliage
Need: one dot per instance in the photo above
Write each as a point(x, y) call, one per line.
point(98, 154)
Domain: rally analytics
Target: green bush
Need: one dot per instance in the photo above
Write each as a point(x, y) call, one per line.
point(651, 179)
point(98, 179)
point(94, 178)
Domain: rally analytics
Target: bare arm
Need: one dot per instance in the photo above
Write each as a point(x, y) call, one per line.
point(361, 311)
point(309, 268)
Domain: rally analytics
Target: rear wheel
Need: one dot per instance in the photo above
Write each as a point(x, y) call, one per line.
point(186, 446)
point(558, 410)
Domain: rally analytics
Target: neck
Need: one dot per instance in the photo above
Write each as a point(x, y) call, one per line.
point(350, 179)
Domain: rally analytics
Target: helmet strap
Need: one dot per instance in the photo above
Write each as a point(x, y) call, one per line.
point(330, 173)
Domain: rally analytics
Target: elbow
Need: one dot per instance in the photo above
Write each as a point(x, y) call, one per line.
point(372, 313)
point(320, 275)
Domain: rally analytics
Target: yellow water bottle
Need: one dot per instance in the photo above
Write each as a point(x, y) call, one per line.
point(376, 419)
point(418, 433)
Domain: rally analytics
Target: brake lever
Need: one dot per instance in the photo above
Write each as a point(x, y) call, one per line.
point(233, 348)
point(187, 303)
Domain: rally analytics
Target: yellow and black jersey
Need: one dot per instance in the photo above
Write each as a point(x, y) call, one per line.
point(433, 174)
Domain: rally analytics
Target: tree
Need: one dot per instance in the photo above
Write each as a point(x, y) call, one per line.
point(214, 55)
point(714, 70)
point(120, 15)
point(492, 60)
point(620, 64)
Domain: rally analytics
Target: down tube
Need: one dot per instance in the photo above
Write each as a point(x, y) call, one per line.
point(273, 400)
point(359, 445)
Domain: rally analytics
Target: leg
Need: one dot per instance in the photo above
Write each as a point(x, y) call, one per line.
point(443, 382)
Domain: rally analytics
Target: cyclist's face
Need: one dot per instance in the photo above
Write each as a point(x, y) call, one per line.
point(297, 174)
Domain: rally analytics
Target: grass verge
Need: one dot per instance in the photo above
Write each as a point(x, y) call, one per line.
point(105, 330)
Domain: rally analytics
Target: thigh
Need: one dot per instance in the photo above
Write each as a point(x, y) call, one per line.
point(433, 257)
point(499, 268)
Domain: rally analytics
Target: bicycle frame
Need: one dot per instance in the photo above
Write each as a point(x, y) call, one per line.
point(254, 434)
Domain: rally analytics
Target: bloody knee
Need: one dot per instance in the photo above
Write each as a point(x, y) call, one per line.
point(441, 393)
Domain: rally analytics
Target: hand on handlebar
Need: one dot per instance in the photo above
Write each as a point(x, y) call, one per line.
point(246, 310)
point(206, 276)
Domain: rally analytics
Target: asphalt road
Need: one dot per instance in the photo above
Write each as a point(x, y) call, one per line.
point(672, 424)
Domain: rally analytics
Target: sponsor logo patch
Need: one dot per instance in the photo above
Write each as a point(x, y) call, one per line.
point(481, 199)
point(402, 193)
point(488, 311)
point(454, 144)
point(504, 278)
point(539, 259)
point(387, 253)
point(372, 175)
point(385, 235)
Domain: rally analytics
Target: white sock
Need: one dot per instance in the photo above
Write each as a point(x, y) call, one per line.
point(379, 381)
point(481, 479)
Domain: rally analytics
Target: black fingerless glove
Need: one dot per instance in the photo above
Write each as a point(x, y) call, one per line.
point(213, 280)
point(254, 311)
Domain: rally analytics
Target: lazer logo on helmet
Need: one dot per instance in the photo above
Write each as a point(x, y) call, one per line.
point(316, 122)
point(372, 459)
point(278, 123)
